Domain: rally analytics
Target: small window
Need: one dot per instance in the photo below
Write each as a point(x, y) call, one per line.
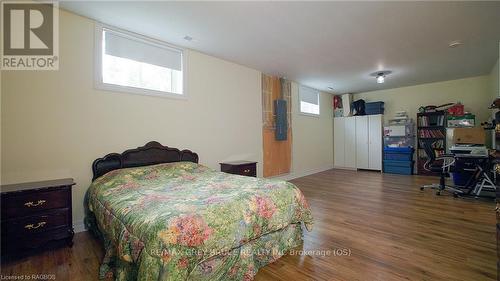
point(309, 101)
point(128, 62)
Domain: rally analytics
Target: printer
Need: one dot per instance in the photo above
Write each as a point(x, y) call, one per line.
point(469, 149)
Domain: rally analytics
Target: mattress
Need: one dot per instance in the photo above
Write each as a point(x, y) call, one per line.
point(185, 221)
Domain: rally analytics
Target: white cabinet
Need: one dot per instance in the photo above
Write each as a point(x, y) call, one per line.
point(375, 142)
point(338, 140)
point(349, 141)
point(362, 142)
point(358, 142)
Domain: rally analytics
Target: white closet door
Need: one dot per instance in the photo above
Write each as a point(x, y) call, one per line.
point(350, 140)
point(375, 142)
point(338, 142)
point(362, 142)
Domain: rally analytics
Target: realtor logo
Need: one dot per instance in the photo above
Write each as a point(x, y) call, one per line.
point(30, 35)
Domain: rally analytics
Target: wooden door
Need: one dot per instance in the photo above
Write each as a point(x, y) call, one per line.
point(375, 142)
point(277, 154)
point(349, 141)
point(338, 142)
point(362, 142)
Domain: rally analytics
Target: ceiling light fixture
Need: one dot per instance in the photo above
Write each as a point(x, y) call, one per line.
point(188, 38)
point(380, 75)
point(455, 44)
point(330, 88)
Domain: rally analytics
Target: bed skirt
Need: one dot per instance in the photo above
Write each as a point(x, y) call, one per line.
point(241, 263)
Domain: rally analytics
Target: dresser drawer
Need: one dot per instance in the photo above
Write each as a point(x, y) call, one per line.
point(246, 170)
point(37, 223)
point(25, 204)
point(12, 243)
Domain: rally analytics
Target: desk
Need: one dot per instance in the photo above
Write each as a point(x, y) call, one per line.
point(482, 164)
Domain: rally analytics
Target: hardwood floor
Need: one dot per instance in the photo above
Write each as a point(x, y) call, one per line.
point(376, 226)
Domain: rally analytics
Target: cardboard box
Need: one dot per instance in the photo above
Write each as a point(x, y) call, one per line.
point(469, 135)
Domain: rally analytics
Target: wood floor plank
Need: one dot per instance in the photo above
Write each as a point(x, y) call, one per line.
point(391, 229)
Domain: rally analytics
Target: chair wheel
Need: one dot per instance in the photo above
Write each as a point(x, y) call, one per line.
point(421, 188)
point(438, 192)
point(455, 194)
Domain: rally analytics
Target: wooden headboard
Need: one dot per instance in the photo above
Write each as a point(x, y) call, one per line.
point(150, 154)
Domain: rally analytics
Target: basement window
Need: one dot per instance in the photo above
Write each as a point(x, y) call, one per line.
point(309, 101)
point(131, 63)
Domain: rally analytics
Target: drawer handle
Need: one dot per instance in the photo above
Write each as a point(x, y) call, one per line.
point(246, 171)
point(32, 204)
point(31, 226)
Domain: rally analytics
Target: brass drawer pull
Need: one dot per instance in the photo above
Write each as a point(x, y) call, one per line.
point(31, 226)
point(246, 171)
point(32, 204)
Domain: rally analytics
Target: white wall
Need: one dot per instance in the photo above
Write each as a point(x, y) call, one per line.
point(54, 123)
point(473, 92)
point(312, 137)
point(495, 81)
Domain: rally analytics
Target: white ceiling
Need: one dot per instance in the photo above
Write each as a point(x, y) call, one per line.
point(324, 44)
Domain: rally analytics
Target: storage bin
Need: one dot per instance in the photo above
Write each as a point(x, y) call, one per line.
point(398, 153)
point(463, 171)
point(462, 178)
point(468, 120)
point(372, 108)
point(398, 167)
point(456, 110)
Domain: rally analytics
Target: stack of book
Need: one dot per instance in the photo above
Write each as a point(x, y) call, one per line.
point(429, 121)
point(421, 153)
point(429, 133)
point(438, 144)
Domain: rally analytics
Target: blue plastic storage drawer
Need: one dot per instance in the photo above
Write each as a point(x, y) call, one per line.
point(372, 108)
point(398, 153)
point(398, 167)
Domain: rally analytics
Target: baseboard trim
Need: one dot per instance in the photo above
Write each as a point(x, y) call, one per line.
point(345, 168)
point(300, 174)
point(79, 226)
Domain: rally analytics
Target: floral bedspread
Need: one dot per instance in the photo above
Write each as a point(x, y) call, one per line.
point(169, 218)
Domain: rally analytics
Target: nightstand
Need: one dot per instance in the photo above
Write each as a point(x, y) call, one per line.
point(34, 214)
point(243, 168)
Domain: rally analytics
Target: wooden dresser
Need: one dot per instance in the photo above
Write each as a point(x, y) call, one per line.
point(35, 214)
point(243, 168)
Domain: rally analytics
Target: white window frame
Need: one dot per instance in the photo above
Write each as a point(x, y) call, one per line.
point(319, 102)
point(98, 75)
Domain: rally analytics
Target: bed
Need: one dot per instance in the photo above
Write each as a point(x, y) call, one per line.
point(163, 216)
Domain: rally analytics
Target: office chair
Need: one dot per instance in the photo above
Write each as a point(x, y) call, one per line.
point(442, 165)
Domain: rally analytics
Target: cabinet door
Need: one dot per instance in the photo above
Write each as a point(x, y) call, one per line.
point(375, 142)
point(350, 140)
point(338, 142)
point(362, 142)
